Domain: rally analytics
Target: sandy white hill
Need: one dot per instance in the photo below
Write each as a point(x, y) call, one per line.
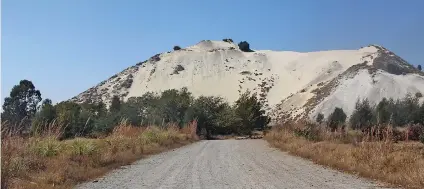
point(290, 83)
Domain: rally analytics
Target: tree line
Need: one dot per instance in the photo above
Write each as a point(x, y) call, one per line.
point(25, 112)
point(388, 111)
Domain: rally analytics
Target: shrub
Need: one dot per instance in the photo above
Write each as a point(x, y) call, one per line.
point(320, 118)
point(337, 118)
point(228, 40)
point(127, 83)
point(178, 68)
point(244, 46)
point(246, 73)
point(415, 132)
point(418, 95)
point(155, 58)
point(46, 147)
point(80, 147)
point(176, 48)
point(309, 132)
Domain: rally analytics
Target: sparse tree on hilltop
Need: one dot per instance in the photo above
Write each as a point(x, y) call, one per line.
point(228, 40)
point(176, 48)
point(244, 46)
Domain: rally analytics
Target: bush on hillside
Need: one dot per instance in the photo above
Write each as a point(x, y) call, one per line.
point(228, 40)
point(177, 69)
point(320, 118)
point(176, 48)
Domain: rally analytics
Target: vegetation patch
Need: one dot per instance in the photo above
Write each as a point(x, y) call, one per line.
point(47, 162)
point(176, 48)
point(372, 155)
point(246, 73)
point(60, 145)
point(155, 58)
point(245, 47)
point(178, 69)
point(228, 40)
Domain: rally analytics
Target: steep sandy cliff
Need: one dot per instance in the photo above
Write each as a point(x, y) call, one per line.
point(291, 84)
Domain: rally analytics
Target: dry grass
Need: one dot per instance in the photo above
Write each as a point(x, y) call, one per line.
point(46, 162)
point(372, 156)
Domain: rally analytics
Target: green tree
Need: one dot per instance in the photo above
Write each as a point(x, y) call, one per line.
point(411, 106)
point(115, 104)
point(362, 116)
point(172, 106)
point(104, 125)
point(320, 118)
point(68, 117)
point(21, 106)
point(131, 112)
point(146, 107)
point(98, 109)
point(382, 111)
point(405, 111)
point(336, 119)
point(44, 117)
point(420, 115)
point(207, 111)
point(249, 109)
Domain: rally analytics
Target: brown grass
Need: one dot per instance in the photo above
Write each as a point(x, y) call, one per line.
point(45, 162)
point(398, 163)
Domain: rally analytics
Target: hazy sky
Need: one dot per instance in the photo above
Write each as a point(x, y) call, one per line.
point(67, 46)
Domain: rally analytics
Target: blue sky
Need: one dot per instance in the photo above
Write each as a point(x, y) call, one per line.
point(67, 46)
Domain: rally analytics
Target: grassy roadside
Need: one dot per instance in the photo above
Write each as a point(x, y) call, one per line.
point(46, 162)
point(400, 163)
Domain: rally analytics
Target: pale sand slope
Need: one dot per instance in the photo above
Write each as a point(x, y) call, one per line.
point(229, 164)
point(220, 68)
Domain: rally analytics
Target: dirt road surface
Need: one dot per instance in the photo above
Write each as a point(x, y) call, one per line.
point(231, 164)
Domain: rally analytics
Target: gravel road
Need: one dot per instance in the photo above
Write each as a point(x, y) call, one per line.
point(231, 164)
